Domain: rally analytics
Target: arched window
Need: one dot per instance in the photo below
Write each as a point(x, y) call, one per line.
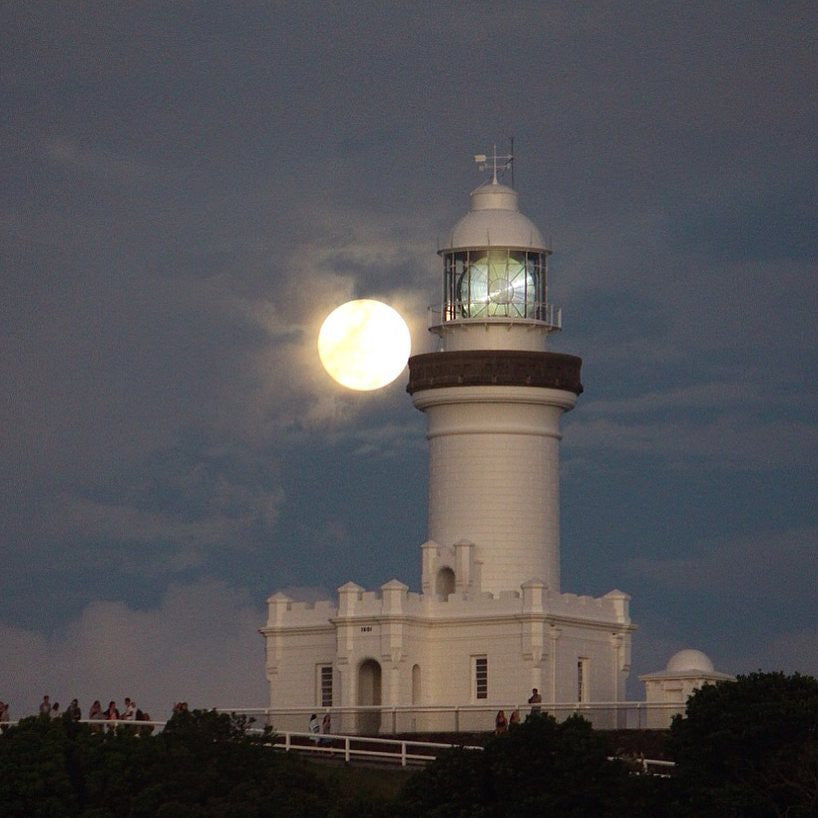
point(444, 583)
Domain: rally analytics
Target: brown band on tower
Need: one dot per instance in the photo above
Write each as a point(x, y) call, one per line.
point(494, 367)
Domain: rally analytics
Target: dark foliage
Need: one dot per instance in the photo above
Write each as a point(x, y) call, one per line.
point(542, 767)
point(204, 764)
point(744, 749)
point(750, 748)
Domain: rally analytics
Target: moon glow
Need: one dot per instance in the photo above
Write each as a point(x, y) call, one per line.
point(364, 344)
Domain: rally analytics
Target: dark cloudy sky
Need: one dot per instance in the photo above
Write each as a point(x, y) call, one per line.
point(189, 188)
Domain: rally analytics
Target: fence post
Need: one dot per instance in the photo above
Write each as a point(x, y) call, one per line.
point(403, 754)
point(346, 749)
point(457, 719)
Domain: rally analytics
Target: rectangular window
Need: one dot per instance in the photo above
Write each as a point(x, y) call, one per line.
point(325, 685)
point(582, 680)
point(481, 677)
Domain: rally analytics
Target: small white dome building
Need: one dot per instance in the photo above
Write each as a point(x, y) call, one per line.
point(687, 660)
point(667, 691)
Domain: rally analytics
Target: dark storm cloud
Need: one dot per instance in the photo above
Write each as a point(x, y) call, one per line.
point(190, 188)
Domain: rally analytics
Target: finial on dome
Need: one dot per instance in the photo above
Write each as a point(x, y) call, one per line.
point(496, 163)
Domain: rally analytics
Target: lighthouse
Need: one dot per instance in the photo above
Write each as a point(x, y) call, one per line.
point(490, 621)
point(493, 396)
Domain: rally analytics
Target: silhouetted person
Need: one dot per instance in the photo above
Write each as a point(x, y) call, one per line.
point(535, 700)
point(73, 711)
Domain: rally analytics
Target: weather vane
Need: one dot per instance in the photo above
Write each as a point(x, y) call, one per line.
point(496, 162)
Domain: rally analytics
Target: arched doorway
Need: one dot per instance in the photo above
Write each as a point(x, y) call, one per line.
point(369, 695)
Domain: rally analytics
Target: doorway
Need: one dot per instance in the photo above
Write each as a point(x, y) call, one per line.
point(369, 695)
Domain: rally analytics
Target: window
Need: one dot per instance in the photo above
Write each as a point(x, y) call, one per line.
point(444, 582)
point(325, 685)
point(481, 677)
point(582, 680)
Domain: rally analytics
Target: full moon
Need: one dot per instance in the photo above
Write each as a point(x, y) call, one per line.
point(364, 344)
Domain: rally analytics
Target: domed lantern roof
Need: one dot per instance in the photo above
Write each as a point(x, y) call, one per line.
point(495, 221)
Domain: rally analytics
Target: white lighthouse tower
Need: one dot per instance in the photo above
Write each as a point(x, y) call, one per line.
point(493, 396)
point(490, 622)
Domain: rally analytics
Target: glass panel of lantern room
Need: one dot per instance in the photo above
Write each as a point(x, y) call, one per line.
point(535, 275)
point(449, 280)
point(472, 287)
point(462, 296)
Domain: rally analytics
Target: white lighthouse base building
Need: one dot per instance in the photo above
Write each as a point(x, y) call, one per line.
point(447, 658)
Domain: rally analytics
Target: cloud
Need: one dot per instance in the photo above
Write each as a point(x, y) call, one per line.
point(789, 651)
point(387, 440)
point(306, 593)
point(746, 566)
point(715, 395)
point(727, 442)
point(350, 254)
point(128, 171)
point(199, 645)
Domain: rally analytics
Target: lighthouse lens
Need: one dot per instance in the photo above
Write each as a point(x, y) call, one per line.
point(497, 284)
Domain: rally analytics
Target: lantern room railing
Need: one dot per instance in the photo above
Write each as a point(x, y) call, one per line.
point(542, 315)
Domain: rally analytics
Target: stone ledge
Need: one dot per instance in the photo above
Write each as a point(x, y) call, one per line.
point(494, 367)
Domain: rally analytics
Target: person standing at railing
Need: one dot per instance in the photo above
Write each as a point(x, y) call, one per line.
point(500, 723)
point(514, 719)
point(314, 726)
point(326, 728)
point(45, 707)
point(130, 709)
point(95, 714)
point(535, 700)
point(73, 711)
point(55, 710)
point(111, 714)
point(142, 716)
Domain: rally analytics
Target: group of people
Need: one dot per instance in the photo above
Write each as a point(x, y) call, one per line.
point(73, 712)
point(502, 723)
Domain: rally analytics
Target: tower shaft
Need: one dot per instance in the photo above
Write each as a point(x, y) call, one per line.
point(493, 431)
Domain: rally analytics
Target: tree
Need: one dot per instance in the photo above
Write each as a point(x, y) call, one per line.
point(35, 760)
point(750, 747)
point(203, 764)
point(542, 767)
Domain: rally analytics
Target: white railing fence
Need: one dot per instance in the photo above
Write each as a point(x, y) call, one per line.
point(363, 747)
point(382, 720)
